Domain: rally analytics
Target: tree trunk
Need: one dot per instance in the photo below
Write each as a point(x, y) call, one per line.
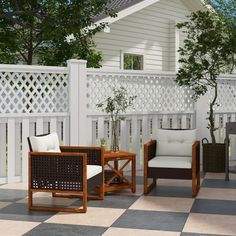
point(211, 117)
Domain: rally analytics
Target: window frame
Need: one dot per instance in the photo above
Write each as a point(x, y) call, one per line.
point(133, 54)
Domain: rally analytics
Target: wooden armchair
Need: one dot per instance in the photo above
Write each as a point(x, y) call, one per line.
point(174, 155)
point(65, 171)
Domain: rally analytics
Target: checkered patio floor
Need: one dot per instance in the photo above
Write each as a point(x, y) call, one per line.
point(169, 210)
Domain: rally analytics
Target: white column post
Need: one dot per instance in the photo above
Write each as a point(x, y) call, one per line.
point(202, 108)
point(201, 121)
point(77, 92)
point(177, 45)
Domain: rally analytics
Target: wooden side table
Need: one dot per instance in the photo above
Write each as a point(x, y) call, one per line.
point(117, 171)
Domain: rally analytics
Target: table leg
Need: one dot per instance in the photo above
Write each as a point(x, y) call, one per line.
point(133, 175)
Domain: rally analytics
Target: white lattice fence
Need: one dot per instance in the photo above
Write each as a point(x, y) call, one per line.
point(33, 100)
point(35, 89)
point(156, 92)
point(226, 94)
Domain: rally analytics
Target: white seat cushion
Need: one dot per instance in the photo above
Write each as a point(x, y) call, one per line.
point(46, 143)
point(93, 170)
point(175, 142)
point(171, 162)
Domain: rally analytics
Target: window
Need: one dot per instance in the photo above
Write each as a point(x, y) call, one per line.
point(133, 62)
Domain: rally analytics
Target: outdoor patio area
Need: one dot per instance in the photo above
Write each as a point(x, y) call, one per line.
point(212, 212)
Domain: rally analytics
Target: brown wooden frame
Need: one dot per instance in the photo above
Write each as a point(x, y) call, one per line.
point(67, 176)
point(171, 173)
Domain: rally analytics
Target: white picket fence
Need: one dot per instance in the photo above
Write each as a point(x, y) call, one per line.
point(15, 128)
point(36, 100)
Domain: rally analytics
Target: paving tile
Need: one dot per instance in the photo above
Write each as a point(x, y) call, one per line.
point(20, 212)
point(210, 224)
point(210, 175)
point(217, 193)
point(114, 201)
point(214, 207)
point(4, 204)
point(95, 216)
point(171, 191)
point(113, 231)
point(48, 200)
point(16, 228)
point(46, 229)
point(18, 186)
point(152, 220)
point(169, 204)
point(218, 183)
point(12, 195)
point(196, 234)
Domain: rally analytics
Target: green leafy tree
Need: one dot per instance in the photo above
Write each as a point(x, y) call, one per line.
point(207, 52)
point(227, 10)
point(50, 31)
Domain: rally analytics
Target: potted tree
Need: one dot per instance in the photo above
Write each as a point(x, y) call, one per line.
point(207, 52)
point(115, 105)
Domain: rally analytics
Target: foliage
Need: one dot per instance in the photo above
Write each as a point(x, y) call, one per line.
point(117, 104)
point(50, 31)
point(207, 52)
point(103, 142)
point(227, 10)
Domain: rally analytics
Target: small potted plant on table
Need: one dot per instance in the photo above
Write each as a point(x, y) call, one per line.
point(116, 105)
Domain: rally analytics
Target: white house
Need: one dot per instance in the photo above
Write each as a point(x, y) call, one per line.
point(143, 35)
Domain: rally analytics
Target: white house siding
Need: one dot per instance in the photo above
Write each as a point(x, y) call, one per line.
point(149, 32)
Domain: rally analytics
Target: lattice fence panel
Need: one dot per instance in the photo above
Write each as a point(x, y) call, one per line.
point(28, 92)
point(154, 92)
point(226, 95)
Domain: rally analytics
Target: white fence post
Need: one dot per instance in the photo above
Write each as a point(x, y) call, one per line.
point(77, 93)
point(201, 118)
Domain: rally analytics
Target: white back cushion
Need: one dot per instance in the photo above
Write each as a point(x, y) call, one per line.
point(46, 143)
point(175, 142)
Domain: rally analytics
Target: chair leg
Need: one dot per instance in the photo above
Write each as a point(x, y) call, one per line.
point(30, 199)
point(148, 188)
point(82, 209)
point(195, 184)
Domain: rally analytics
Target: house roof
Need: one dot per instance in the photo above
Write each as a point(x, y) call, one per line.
point(118, 5)
point(127, 7)
point(122, 4)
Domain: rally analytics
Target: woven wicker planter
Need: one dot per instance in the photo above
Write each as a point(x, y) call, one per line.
point(213, 157)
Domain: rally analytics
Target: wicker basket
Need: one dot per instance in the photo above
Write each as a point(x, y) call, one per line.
point(213, 156)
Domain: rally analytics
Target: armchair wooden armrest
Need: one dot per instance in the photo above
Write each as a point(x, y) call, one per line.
point(150, 150)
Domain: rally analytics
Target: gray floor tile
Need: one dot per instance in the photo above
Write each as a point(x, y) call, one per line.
point(151, 220)
point(19, 211)
point(195, 234)
point(218, 183)
point(171, 191)
point(214, 207)
point(12, 195)
point(114, 201)
point(68, 230)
